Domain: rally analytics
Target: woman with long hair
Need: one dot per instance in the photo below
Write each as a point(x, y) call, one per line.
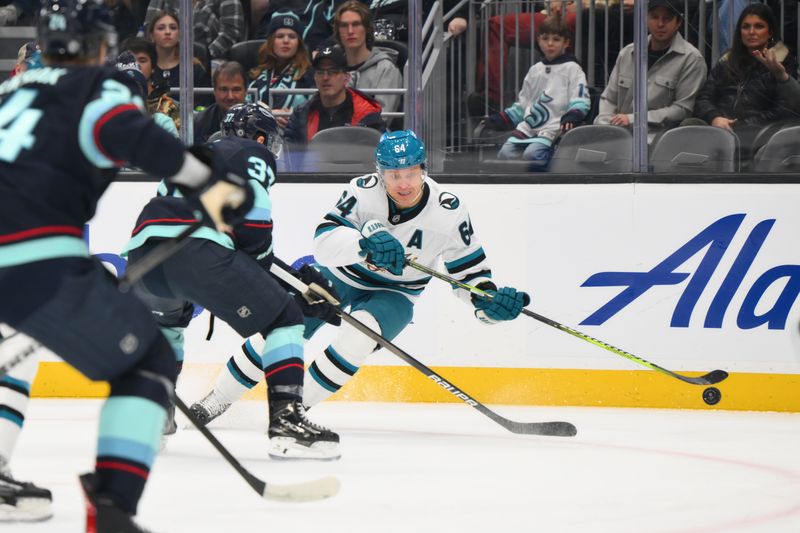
point(283, 63)
point(165, 34)
point(753, 83)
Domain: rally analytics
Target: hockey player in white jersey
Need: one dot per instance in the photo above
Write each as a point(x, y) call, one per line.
point(553, 98)
point(361, 246)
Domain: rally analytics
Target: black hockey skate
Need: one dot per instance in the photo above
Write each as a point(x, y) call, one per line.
point(102, 514)
point(293, 436)
point(208, 408)
point(23, 502)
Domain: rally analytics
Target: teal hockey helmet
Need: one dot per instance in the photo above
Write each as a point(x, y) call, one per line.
point(399, 149)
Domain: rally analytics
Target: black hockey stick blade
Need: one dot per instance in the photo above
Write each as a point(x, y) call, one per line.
point(712, 378)
point(309, 491)
point(546, 429)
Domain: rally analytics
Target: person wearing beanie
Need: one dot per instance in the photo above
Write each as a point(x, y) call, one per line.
point(283, 63)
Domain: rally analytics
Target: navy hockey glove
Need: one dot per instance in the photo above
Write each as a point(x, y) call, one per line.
point(319, 304)
point(571, 118)
point(506, 303)
point(381, 248)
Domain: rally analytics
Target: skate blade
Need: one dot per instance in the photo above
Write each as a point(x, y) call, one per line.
point(26, 510)
point(287, 448)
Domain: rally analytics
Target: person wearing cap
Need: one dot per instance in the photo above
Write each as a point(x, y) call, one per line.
point(371, 67)
point(335, 104)
point(229, 81)
point(675, 73)
point(283, 63)
point(128, 64)
point(158, 99)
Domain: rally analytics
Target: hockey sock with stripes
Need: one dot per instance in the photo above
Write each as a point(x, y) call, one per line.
point(15, 390)
point(282, 358)
point(340, 361)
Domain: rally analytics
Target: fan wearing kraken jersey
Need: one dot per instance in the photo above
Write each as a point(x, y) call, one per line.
point(363, 243)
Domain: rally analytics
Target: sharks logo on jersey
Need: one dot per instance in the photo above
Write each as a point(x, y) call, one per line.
point(367, 182)
point(449, 201)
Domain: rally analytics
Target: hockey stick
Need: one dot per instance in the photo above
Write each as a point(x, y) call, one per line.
point(553, 429)
point(17, 358)
point(713, 377)
point(300, 492)
point(160, 253)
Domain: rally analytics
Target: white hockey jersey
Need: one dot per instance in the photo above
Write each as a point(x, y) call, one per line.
point(549, 91)
point(437, 227)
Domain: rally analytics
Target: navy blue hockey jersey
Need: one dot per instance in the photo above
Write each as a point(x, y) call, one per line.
point(64, 133)
point(166, 215)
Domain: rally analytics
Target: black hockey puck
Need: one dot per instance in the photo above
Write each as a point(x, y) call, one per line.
point(712, 396)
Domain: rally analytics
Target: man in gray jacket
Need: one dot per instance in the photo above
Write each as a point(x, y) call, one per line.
point(675, 73)
point(370, 67)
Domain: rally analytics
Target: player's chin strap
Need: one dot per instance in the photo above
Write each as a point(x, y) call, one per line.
point(558, 429)
point(715, 376)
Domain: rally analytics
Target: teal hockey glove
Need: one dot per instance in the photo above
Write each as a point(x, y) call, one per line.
point(381, 249)
point(506, 303)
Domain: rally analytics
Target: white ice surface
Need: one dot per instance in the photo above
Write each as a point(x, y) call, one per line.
point(447, 468)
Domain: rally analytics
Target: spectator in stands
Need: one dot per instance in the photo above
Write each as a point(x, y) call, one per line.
point(18, 12)
point(316, 16)
point(517, 31)
point(229, 89)
point(753, 84)
point(218, 25)
point(128, 64)
point(127, 17)
point(24, 55)
point(157, 98)
point(165, 35)
point(335, 104)
point(554, 98)
point(676, 71)
point(392, 16)
point(371, 67)
point(283, 63)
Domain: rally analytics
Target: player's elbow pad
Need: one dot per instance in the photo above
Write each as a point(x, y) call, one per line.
point(195, 172)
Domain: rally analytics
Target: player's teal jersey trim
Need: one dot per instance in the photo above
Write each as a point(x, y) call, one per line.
point(114, 94)
point(21, 253)
point(168, 232)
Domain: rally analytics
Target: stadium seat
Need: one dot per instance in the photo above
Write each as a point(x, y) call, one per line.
point(595, 148)
point(397, 46)
point(246, 53)
point(693, 149)
point(781, 153)
point(343, 149)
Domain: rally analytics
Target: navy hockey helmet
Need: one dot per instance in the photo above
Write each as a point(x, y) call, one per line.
point(75, 28)
point(399, 149)
point(252, 120)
